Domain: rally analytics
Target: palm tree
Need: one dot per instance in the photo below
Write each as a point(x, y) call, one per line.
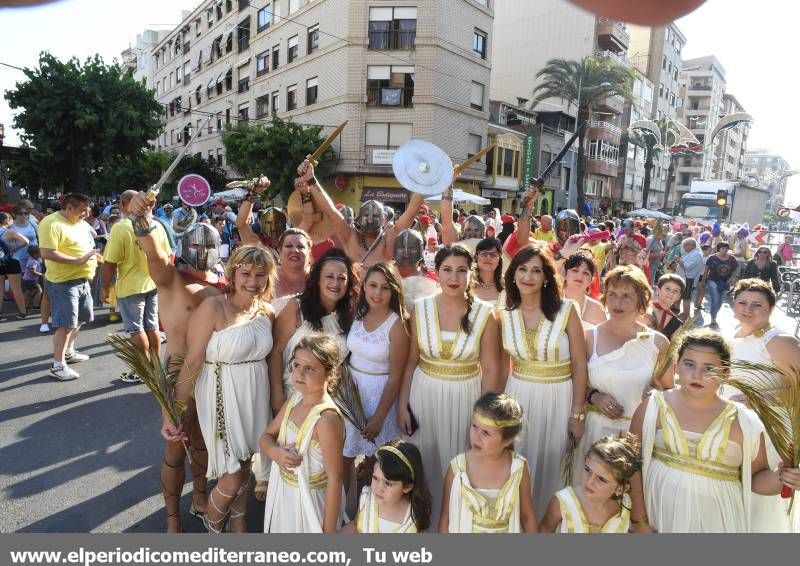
point(583, 84)
point(651, 147)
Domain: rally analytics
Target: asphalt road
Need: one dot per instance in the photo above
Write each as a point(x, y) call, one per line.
point(85, 455)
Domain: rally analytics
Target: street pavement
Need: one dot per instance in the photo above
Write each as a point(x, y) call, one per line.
point(85, 455)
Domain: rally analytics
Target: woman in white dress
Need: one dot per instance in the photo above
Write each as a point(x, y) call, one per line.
point(378, 345)
point(326, 305)
point(453, 356)
point(227, 348)
point(702, 455)
point(756, 340)
point(543, 337)
point(579, 270)
point(622, 355)
point(488, 282)
point(304, 443)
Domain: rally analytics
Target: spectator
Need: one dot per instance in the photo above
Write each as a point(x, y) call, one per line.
point(690, 267)
point(137, 301)
point(32, 278)
point(508, 227)
point(785, 250)
point(720, 276)
point(10, 268)
point(763, 267)
point(545, 231)
point(71, 260)
point(25, 227)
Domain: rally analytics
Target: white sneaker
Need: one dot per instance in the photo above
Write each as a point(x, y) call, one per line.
point(65, 373)
point(44, 328)
point(74, 357)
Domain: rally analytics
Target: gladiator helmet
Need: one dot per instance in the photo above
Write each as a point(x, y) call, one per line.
point(272, 222)
point(408, 247)
point(370, 219)
point(389, 212)
point(200, 247)
point(474, 227)
point(347, 212)
point(567, 224)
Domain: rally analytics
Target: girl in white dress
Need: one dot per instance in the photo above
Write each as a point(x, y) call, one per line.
point(487, 489)
point(227, 348)
point(326, 305)
point(543, 337)
point(756, 340)
point(378, 345)
point(304, 443)
point(702, 455)
point(578, 274)
point(398, 500)
point(600, 503)
point(453, 357)
point(488, 281)
point(621, 361)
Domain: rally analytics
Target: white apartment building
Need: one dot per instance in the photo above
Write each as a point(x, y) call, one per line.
point(528, 33)
point(137, 59)
point(702, 88)
point(395, 70)
point(629, 193)
point(770, 170)
point(728, 160)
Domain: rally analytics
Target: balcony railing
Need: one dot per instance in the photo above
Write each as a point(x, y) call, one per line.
point(608, 126)
point(392, 39)
point(390, 96)
point(610, 55)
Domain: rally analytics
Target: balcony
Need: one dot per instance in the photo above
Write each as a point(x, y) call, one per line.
point(612, 35)
point(392, 39)
point(612, 56)
point(613, 103)
point(390, 97)
point(602, 167)
point(607, 126)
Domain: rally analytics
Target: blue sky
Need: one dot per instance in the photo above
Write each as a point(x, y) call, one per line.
point(755, 43)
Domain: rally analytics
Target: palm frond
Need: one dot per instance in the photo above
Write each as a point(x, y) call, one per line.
point(158, 380)
point(667, 358)
point(347, 398)
point(568, 461)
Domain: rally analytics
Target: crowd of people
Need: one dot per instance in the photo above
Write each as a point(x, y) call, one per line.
point(506, 368)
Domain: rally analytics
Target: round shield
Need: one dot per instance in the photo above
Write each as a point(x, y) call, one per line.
point(194, 190)
point(423, 168)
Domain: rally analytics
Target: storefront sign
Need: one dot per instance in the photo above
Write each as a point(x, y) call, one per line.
point(383, 156)
point(530, 158)
point(384, 195)
point(493, 193)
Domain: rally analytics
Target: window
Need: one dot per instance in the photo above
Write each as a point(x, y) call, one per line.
point(313, 40)
point(479, 43)
point(264, 17)
point(476, 96)
point(275, 54)
point(262, 63)
point(664, 62)
point(244, 85)
point(390, 86)
point(178, 75)
point(220, 160)
point(392, 28)
point(210, 126)
point(291, 97)
point(294, 5)
point(311, 91)
point(276, 103)
point(602, 150)
point(229, 42)
point(508, 162)
point(187, 73)
point(171, 137)
point(229, 80)
point(685, 178)
point(219, 121)
point(243, 4)
point(474, 142)
point(292, 51)
point(244, 34)
point(227, 115)
point(211, 159)
point(661, 90)
point(210, 17)
point(244, 112)
point(262, 106)
point(199, 128)
point(198, 94)
point(387, 135)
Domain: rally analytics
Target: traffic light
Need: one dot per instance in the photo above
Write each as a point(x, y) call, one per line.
point(722, 197)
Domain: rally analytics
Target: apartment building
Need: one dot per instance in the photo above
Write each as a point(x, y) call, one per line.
point(702, 89)
point(656, 52)
point(728, 161)
point(526, 35)
point(628, 192)
point(394, 70)
point(770, 172)
point(137, 59)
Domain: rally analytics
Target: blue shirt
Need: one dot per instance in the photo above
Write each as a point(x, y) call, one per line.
point(29, 232)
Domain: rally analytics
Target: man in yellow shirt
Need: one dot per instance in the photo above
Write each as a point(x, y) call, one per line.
point(137, 300)
point(67, 246)
point(545, 232)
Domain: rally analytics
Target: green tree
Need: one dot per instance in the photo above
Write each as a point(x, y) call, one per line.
point(274, 150)
point(582, 83)
point(82, 117)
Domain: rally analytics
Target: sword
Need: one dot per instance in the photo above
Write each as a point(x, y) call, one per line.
point(152, 194)
point(314, 157)
point(458, 169)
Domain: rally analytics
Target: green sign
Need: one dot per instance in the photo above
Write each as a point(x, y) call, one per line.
point(530, 158)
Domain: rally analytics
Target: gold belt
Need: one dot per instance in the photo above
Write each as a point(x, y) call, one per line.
point(368, 372)
point(593, 409)
point(692, 465)
point(541, 372)
point(449, 371)
point(486, 525)
point(315, 481)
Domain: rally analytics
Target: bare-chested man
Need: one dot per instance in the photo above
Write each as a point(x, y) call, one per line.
point(181, 289)
point(359, 240)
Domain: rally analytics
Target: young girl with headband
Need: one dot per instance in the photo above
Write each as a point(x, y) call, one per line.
point(488, 488)
point(601, 504)
point(398, 500)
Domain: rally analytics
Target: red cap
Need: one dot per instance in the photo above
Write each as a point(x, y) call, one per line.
point(638, 224)
point(425, 220)
point(507, 219)
point(220, 202)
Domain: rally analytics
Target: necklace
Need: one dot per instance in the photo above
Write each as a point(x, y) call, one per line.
point(481, 285)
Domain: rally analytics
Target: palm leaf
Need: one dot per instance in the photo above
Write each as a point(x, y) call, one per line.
point(148, 367)
point(568, 461)
point(775, 397)
point(347, 397)
point(667, 358)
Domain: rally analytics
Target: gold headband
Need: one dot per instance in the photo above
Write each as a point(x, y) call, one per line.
point(486, 421)
point(396, 452)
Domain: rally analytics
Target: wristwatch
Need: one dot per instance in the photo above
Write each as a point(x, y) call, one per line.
point(577, 416)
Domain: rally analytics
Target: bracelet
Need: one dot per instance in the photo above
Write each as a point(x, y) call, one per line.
point(313, 181)
point(305, 197)
point(589, 396)
point(643, 521)
point(578, 416)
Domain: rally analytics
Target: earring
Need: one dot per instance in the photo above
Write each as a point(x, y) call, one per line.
point(545, 285)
